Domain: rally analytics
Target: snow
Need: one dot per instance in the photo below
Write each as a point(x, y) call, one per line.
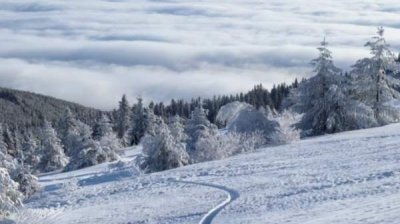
point(350, 177)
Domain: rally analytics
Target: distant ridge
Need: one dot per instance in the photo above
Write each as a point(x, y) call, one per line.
point(25, 109)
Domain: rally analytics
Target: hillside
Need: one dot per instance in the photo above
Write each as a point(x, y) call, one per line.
point(350, 177)
point(25, 109)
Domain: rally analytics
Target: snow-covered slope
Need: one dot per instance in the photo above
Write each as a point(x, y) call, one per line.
point(352, 177)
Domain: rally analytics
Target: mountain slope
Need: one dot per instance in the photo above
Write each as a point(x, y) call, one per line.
point(25, 109)
point(351, 177)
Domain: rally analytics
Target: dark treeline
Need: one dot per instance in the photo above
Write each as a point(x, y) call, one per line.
point(258, 97)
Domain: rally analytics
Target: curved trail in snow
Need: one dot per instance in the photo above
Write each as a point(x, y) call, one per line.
point(211, 214)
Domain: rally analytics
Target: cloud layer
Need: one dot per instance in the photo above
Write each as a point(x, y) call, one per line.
point(93, 51)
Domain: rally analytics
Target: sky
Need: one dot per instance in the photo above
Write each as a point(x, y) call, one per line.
point(93, 51)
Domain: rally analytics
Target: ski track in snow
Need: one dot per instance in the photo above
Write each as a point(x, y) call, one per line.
point(211, 214)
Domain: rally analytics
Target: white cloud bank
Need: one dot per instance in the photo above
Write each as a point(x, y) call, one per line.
point(93, 51)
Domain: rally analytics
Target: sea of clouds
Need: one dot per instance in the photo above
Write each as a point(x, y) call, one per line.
point(93, 51)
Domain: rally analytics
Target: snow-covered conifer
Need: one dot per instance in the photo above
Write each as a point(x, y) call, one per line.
point(30, 148)
point(53, 156)
point(69, 130)
point(123, 119)
point(102, 128)
point(161, 150)
point(372, 86)
point(198, 126)
point(94, 151)
point(6, 160)
point(106, 136)
point(139, 122)
point(91, 155)
point(28, 183)
point(10, 197)
point(177, 128)
point(317, 97)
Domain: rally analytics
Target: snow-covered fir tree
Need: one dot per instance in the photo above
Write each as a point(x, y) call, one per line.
point(11, 141)
point(53, 156)
point(30, 151)
point(10, 197)
point(177, 128)
point(17, 171)
point(316, 98)
point(76, 135)
point(161, 150)
point(28, 183)
point(102, 128)
point(123, 120)
point(104, 133)
point(372, 86)
point(99, 149)
point(92, 154)
point(69, 130)
point(198, 126)
point(139, 122)
point(6, 160)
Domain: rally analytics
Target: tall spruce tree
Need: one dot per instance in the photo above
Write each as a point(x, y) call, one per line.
point(53, 156)
point(123, 119)
point(371, 85)
point(139, 122)
point(312, 98)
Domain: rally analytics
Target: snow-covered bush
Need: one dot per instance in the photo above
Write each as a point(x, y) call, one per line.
point(28, 183)
point(211, 146)
point(229, 111)
point(10, 197)
point(250, 120)
point(222, 145)
point(161, 150)
point(91, 155)
point(286, 132)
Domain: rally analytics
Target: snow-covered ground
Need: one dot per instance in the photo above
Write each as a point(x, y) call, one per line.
point(351, 177)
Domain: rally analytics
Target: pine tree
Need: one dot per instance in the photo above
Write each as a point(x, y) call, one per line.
point(68, 127)
point(162, 151)
point(139, 125)
point(177, 128)
point(197, 126)
point(123, 119)
point(6, 160)
point(371, 85)
point(75, 135)
point(311, 96)
point(102, 128)
point(94, 148)
point(10, 197)
point(30, 151)
point(106, 137)
point(53, 156)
